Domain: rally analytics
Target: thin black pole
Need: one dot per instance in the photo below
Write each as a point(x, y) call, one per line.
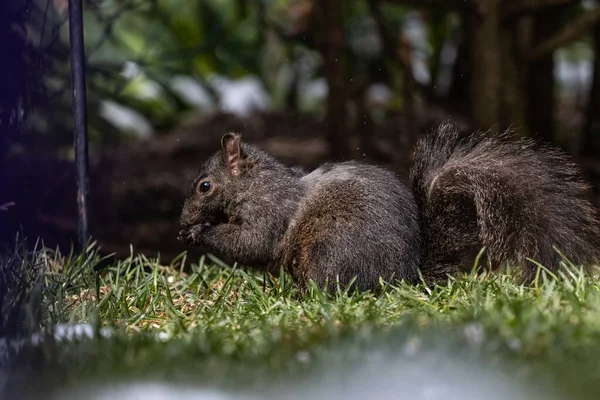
point(79, 118)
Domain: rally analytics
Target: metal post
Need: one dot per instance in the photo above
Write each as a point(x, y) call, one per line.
point(79, 118)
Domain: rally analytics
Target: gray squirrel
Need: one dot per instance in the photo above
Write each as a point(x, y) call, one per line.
point(353, 222)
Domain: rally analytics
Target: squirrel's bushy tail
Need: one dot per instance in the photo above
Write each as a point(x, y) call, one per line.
point(516, 200)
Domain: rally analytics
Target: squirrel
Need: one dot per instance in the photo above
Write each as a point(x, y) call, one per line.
point(356, 223)
point(346, 221)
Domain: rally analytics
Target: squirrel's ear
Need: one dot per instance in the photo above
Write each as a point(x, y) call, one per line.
point(232, 152)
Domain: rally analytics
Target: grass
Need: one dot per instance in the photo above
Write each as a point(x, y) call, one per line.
point(204, 322)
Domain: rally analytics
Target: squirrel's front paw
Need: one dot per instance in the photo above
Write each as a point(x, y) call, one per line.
point(190, 235)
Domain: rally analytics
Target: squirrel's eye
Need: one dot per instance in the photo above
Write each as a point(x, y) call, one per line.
point(205, 186)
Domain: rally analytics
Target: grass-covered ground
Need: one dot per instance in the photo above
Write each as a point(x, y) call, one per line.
point(204, 324)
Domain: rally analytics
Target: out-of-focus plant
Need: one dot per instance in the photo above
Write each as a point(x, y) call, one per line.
point(138, 54)
point(151, 63)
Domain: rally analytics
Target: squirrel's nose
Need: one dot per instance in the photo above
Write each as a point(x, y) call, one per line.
point(188, 219)
point(184, 219)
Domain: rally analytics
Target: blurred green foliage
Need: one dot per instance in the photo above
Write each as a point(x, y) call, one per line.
point(137, 48)
point(159, 59)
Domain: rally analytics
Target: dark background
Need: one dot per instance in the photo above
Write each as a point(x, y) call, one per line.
point(307, 80)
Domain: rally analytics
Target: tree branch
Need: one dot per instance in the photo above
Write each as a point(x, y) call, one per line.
point(400, 50)
point(390, 43)
point(334, 74)
point(519, 7)
point(572, 30)
point(386, 36)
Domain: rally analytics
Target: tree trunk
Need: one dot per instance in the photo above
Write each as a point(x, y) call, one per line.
point(512, 108)
point(459, 97)
point(409, 135)
point(365, 125)
point(485, 64)
point(291, 96)
point(591, 133)
point(334, 74)
point(540, 81)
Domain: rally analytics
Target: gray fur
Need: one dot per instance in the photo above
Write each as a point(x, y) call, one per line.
point(354, 221)
point(517, 200)
point(346, 220)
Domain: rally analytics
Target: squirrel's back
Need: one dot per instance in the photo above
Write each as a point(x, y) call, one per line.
point(517, 200)
point(354, 220)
